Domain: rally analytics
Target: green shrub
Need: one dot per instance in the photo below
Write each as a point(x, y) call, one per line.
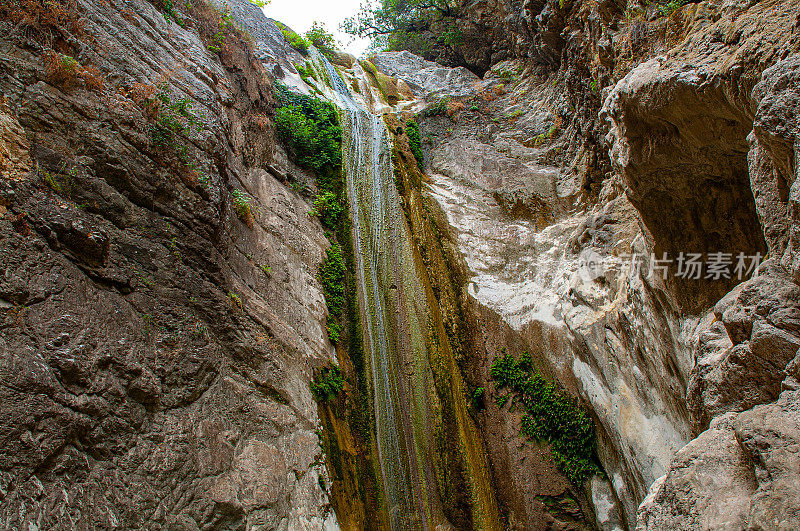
point(295, 41)
point(322, 40)
point(329, 208)
point(437, 108)
point(550, 416)
point(476, 398)
point(174, 119)
point(668, 8)
point(331, 274)
point(218, 40)
point(310, 128)
point(415, 141)
point(169, 11)
point(327, 383)
point(334, 330)
point(241, 205)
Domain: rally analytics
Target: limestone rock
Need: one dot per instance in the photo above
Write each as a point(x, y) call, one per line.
point(741, 473)
point(742, 355)
point(428, 77)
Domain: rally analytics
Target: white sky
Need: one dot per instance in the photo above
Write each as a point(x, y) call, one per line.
point(300, 14)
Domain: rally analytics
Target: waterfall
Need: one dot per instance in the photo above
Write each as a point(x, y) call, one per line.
point(393, 336)
point(397, 324)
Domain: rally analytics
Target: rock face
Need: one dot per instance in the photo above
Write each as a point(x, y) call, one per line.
point(741, 385)
point(160, 311)
point(741, 473)
point(698, 158)
point(156, 351)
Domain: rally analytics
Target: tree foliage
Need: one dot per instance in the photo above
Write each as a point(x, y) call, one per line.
point(397, 24)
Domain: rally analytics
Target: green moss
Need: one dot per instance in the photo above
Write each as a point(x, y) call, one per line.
point(415, 141)
point(331, 274)
point(368, 67)
point(551, 416)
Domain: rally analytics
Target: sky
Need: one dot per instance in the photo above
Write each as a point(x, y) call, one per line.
point(300, 14)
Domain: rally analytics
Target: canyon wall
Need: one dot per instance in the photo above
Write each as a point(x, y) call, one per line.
point(162, 316)
point(601, 131)
point(156, 347)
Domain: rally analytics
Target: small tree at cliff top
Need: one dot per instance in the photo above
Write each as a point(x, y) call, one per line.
point(397, 24)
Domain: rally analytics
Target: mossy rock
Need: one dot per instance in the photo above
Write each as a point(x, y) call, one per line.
point(368, 67)
point(343, 59)
point(388, 87)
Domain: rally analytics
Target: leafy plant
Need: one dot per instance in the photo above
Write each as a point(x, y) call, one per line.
point(169, 11)
point(476, 398)
point(437, 108)
point(235, 300)
point(61, 69)
point(550, 416)
point(295, 41)
point(329, 208)
point(415, 141)
point(218, 40)
point(310, 128)
point(241, 206)
point(327, 383)
point(334, 330)
point(667, 8)
point(322, 40)
point(173, 119)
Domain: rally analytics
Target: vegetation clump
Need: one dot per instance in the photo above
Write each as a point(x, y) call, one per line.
point(295, 41)
point(327, 383)
point(174, 120)
point(550, 416)
point(310, 129)
point(45, 21)
point(322, 40)
point(331, 275)
point(242, 208)
point(415, 141)
point(60, 69)
point(169, 11)
point(329, 208)
point(218, 40)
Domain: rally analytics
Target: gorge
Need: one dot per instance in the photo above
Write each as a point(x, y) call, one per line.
point(253, 283)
